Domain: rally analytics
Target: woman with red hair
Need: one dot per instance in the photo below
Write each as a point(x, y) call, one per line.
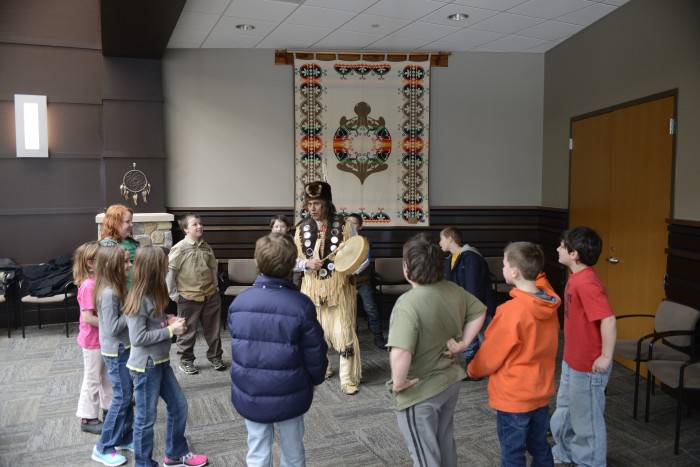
point(116, 230)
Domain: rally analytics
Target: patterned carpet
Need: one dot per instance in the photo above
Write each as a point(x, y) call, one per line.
point(40, 379)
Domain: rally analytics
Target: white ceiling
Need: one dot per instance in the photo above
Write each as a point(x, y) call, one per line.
point(532, 26)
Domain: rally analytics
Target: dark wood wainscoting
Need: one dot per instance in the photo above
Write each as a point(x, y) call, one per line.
point(232, 231)
point(683, 266)
point(682, 281)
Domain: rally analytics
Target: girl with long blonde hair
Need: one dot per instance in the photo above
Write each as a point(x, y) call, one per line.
point(96, 389)
point(151, 332)
point(112, 265)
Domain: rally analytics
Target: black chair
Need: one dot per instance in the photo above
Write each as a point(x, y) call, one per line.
point(242, 273)
point(8, 303)
point(670, 316)
point(5, 306)
point(498, 282)
point(389, 278)
point(684, 376)
point(68, 292)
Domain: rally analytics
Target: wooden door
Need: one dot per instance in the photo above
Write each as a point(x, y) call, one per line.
point(621, 172)
point(640, 191)
point(590, 176)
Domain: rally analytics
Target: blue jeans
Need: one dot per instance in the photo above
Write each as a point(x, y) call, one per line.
point(474, 345)
point(117, 427)
point(291, 443)
point(158, 380)
point(366, 293)
point(518, 432)
point(578, 423)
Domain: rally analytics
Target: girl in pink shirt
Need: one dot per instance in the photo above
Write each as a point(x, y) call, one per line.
point(96, 390)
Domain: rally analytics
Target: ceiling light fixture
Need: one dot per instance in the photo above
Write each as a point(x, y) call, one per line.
point(458, 16)
point(245, 27)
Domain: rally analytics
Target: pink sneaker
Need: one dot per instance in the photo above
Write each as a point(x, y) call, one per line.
point(188, 460)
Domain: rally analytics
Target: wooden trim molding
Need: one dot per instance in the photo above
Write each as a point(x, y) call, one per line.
point(232, 232)
point(682, 279)
point(437, 59)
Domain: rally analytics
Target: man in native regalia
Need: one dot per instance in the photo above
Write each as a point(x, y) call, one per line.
point(333, 292)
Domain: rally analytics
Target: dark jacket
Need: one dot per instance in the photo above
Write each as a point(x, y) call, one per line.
point(278, 351)
point(47, 279)
point(471, 272)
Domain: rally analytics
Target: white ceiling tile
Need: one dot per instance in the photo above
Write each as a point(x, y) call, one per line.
point(347, 5)
point(542, 47)
point(507, 23)
point(280, 43)
point(499, 5)
point(441, 16)
point(309, 33)
point(199, 21)
point(189, 36)
point(314, 16)
point(615, 2)
point(365, 23)
point(215, 7)
point(217, 40)
point(486, 49)
point(549, 9)
point(445, 47)
point(588, 15)
point(425, 31)
point(406, 9)
point(181, 45)
point(514, 43)
point(228, 24)
point(551, 30)
point(471, 37)
point(397, 44)
point(260, 9)
point(346, 40)
point(402, 25)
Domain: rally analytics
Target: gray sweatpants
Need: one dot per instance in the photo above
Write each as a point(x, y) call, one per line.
point(428, 428)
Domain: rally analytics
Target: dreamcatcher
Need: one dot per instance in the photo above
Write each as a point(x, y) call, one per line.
point(135, 182)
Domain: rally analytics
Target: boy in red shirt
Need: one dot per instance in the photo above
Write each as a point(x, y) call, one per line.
point(578, 424)
point(519, 352)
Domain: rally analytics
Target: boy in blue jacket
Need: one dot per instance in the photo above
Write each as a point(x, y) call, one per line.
point(278, 355)
point(468, 269)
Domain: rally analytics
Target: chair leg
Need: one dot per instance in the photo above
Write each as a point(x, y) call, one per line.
point(38, 313)
point(65, 308)
point(636, 391)
point(224, 312)
point(21, 316)
point(678, 420)
point(646, 404)
point(9, 318)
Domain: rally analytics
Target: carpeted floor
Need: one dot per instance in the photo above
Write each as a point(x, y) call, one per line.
point(40, 379)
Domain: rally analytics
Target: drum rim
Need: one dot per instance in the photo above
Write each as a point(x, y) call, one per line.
point(356, 263)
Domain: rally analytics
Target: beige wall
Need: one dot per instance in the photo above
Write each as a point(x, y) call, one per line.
point(229, 127)
point(643, 48)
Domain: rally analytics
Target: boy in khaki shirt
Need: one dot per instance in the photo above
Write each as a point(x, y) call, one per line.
point(192, 284)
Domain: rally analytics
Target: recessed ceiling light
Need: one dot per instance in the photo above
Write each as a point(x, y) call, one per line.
point(245, 27)
point(458, 16)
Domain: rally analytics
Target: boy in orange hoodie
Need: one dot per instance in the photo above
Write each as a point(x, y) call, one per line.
point(519, 352)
